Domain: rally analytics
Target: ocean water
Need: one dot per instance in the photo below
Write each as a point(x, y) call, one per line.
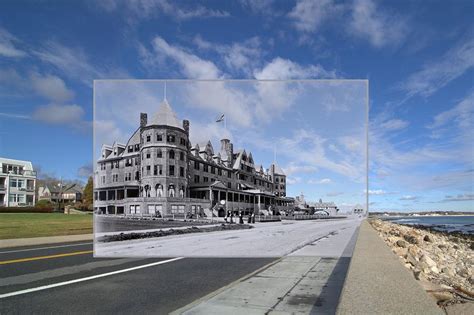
point(463, 224)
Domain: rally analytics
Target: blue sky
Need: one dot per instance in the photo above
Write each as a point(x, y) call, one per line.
point(417, 57)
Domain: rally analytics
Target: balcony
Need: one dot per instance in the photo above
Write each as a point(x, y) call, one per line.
point(2, 187)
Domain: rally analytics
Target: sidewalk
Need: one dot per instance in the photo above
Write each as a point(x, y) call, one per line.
point(378, 283)
point(18, 242)
point(294, 284)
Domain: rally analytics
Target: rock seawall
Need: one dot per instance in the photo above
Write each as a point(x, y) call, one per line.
point(443, 263)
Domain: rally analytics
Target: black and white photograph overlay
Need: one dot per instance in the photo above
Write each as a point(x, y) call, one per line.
point(237, 168)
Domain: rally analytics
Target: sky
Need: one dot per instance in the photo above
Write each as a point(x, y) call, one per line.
point(418, 59)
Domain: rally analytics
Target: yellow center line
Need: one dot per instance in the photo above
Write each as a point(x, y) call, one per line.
point(5, 262)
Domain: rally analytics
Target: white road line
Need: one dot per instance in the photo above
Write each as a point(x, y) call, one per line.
point(39, 248)
point(60, 284)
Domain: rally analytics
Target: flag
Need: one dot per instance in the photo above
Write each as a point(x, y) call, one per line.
point(221, 118)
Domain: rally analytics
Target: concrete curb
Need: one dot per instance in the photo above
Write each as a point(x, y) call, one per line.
point(18, 242)
point(378, 283)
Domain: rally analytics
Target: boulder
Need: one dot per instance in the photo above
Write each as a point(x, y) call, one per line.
point(428, 261)
point(427, 238)
point(410, 238)
point(401, 243)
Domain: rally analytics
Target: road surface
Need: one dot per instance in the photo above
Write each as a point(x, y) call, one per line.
point(65, 278)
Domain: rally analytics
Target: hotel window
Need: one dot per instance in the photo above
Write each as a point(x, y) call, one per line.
point(159, 137)
point(128, 177)
point(183, 141)
point(277, 180)
point(148, 169)
point(148, 155)
point(171, 154)
point(181, 156)
point(171, 170)
point(196, 178)
point(137, 175)
point(206, 168)
point(196, 165)
point(159, 153)
point(13, 182)
point(181, 171)
point(171, 138)
point(206, 179)
point(213, 170)
point(148, 138)
point(229, 185)
point(155, 170)
point(111, 165)
point(219, 172)
point(130, 148)
point(229, 174)
point(160, 169)
point(103, 179)
point(117, 164)
point(137, 148)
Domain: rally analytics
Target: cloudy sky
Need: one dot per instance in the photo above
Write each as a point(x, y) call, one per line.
point(417, 58)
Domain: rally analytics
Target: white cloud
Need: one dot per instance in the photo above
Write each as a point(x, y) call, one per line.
point(292, 168)
point(394, 124)
point(7, 45)
point(285, 69)
point(409, 197)
point(438, 73)
point(51, 87)
point(320, 181)
point(69, 115)
point(74, 63)
point(376, 192)
point(461, 114)
point(191, 65)
point(293, 180)
point(309, 15)
point(143, 9)
point(85, 171)
point(459, 197)
point(379, 27)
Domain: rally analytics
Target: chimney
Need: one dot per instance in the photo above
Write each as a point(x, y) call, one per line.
point(143, 120)
point(186, 126)
point(224, 144)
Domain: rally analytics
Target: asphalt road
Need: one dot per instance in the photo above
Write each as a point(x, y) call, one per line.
point(138, 285)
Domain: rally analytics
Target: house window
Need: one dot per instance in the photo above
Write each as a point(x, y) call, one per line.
point(171, 154)
point(13, 182)
point(181, 156)
point(181, 171)
point(206, 168)
point(148, 169)
point(171, 138)
point(196, 165)
point(159, 137)
point(196, 178)
point(148, 138)
point(171, 170)
point(159, 153)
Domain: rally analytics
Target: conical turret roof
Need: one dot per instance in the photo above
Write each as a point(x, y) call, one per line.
point(166, 116)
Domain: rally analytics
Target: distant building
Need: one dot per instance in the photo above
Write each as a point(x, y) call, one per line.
point(158, 171)
point(70, 193)
point(17, 183)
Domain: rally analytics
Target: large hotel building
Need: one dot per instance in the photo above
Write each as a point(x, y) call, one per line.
point(158, 171)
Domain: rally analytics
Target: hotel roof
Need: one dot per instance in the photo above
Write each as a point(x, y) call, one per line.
point(166, 116)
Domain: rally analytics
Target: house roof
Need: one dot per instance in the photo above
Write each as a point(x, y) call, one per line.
point(278, 170)
point(166, 116)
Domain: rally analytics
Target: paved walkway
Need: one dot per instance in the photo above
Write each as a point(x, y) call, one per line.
point(305, 282)
point(378, 283)
point(32, 241)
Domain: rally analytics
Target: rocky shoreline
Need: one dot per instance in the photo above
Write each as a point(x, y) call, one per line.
point(442, 262)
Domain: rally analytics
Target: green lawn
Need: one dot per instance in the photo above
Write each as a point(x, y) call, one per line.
point(19, 225)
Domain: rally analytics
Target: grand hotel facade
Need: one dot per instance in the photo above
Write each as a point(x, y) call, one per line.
point(158, 171)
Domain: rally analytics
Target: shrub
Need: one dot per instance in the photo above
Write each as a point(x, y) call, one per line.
point(26, 209)
point(44, 204)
